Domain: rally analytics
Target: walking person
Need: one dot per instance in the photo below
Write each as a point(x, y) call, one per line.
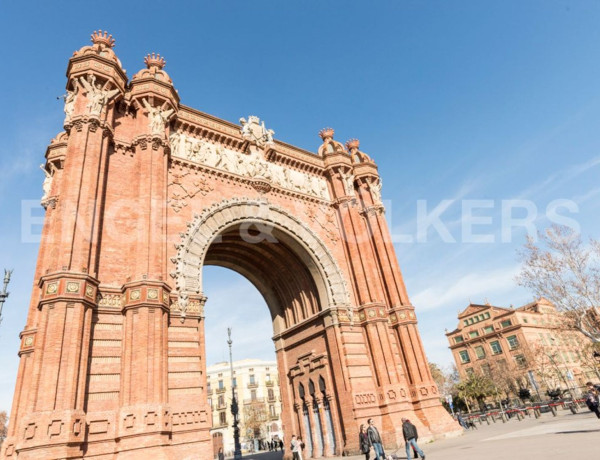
point(409, 431)
point(300, 448)
point(375, 440)
point(295, 448)
point(220, 455)
point(363, 441)
point(591, 399)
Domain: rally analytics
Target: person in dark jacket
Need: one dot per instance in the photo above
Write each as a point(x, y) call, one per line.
point(375, 440)
point(592, 400)
point(409, 431)
point(363, 440)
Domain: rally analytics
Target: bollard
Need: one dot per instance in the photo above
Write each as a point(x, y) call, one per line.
point(537, 412)
point(487, 419)
point(573, 408)
point(553, 409)
point(503, 416)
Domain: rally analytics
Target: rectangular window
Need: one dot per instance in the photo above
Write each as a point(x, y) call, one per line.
point(272, 410)
point(488, 329)
point(487, 315)
point(252, 380)
point(464, 356)
point(469, 371)
point(473, 334)
point(525, 320)
point(253, 395)
point(234, 382)
point(506, 323)
point(268, 377)
point(221, 385)
point(458, 339)
point(480, 352)
point(512, 342)
point(208, 386)
point(466, 322)
point(223, 418)
point(496, 348)
point(521, 361)
point(486, 369)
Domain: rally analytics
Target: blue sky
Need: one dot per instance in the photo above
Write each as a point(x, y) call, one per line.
point(473, 102)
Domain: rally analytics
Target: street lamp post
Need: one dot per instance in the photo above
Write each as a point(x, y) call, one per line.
point(237, 453)
point(4, 293)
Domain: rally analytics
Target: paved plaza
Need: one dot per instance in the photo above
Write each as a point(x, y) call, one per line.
point(566, 436)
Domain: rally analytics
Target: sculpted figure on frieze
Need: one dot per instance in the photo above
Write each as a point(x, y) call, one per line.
point(376, 190)
point(69, 99)
point(97, 95)
point(157, 118)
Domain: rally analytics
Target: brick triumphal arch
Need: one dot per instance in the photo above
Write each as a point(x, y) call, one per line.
point(141, 192)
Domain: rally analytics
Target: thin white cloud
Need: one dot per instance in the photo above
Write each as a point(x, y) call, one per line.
point(456, 293)
point(557, 179)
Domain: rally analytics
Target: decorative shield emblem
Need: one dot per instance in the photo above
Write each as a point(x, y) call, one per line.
point(255, 132)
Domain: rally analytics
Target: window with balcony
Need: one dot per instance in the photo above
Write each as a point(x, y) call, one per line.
point(496, 348)
point(253, 395)
point(464, 356)
point(480, 352)
point(271, 394)
point(513, 342)
point(221, 401)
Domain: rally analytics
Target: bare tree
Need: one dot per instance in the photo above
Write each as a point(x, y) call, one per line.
point(255, 416)
point(446, 378)
point(3, 427)
point(564, 270)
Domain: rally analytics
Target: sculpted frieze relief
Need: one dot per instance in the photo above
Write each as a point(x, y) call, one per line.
point(251, 165)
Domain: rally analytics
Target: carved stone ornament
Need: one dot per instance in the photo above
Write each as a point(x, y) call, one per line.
point(255, 132)
point(181, 193)
point(375, 188)
point(98, 96)
point(47, 185)
point(157, 118)
point(252, 165)
point(348, 181)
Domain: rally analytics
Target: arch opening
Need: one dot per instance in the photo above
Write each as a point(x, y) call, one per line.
point(284, 275)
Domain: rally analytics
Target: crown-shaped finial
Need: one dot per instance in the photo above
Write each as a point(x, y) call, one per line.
point(154, 60)
point(352, 144)
point(326, 133)
point(103, 39)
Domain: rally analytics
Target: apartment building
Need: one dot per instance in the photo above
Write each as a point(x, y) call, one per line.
point(257, 392)
point(524, 347)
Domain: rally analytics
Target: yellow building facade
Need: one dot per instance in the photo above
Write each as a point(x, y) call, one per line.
point(257, 392)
